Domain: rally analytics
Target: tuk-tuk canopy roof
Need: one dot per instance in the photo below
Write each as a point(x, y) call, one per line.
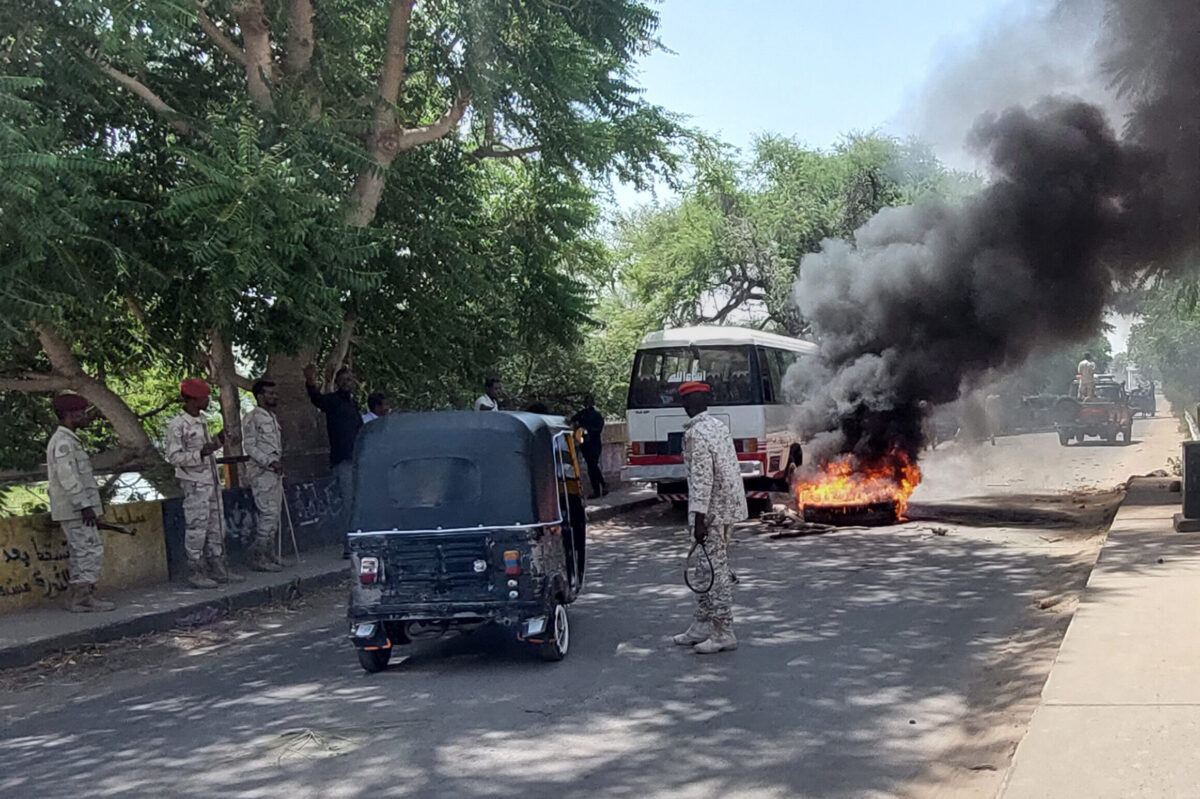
point(455, 469)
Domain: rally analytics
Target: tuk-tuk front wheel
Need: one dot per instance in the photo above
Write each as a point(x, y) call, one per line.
point(374, 660)
point(555, 649)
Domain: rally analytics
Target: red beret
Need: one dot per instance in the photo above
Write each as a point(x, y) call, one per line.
point(196, 389)
point(69, 402)
point(691, 387)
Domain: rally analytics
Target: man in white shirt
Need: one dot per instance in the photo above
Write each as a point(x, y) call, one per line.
point(490, 399)
point(1087, 376)
point(377, 405)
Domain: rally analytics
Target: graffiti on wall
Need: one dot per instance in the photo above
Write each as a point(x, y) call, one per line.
point(35, 559)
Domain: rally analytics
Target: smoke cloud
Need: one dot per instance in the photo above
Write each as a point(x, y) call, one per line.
point(930, 298)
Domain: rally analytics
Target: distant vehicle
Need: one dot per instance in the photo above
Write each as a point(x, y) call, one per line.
point(746, 370)
point(1106, 414)
point(1142, 400)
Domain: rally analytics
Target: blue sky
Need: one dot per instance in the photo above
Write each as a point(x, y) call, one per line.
point(814, 69)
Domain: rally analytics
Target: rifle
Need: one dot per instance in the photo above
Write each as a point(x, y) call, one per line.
point(113, 528)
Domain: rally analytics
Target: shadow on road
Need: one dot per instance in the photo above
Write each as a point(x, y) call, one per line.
point(865, 657)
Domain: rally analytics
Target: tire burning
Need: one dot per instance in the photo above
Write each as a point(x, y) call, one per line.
point(850, 490)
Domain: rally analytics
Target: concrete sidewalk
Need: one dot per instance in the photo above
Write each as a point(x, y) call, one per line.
point(1120, 712)
point(29, 635)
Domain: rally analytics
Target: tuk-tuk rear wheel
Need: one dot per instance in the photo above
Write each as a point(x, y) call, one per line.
point(374, 660)
point(556, 649)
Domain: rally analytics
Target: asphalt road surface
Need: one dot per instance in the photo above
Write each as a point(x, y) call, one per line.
point(902, 661)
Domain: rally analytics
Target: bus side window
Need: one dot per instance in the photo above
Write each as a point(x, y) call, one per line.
point(767, 375)
point(781, 361)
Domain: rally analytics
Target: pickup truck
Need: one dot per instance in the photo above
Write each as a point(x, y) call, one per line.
point(1105, 414)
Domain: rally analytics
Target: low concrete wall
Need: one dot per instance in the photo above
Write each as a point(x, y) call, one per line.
point(33, 555)
point(315, 507)
point(616, 443)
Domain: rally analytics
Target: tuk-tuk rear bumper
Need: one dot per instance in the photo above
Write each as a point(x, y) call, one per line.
point(509, 613)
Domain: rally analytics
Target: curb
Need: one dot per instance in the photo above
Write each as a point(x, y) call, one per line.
point(603, 514)
point(24, 654)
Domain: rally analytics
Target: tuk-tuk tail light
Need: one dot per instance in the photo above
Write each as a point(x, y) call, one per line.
point(368, 570)
point(512, 563)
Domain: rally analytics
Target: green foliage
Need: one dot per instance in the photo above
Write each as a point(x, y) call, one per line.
point(148, 200)
point(1166, 341)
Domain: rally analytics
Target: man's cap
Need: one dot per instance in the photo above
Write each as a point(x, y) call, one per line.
point(69, 402)
point(194, 388)
point(692, 387)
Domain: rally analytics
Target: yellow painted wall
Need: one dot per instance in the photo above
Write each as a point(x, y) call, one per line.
point(33, 555)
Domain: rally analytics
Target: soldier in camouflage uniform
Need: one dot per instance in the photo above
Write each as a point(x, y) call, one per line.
point(190, 450)
point(75, 504)
point(263, 443)
point(716, 501)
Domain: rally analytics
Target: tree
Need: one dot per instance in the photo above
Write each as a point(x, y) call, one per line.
point(260, 138)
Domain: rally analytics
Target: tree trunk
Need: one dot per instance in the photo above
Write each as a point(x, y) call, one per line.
point(305, 444)
point(131, 435)
point(224, 373)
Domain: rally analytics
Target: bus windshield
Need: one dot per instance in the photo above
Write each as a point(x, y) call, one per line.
point(658, 373)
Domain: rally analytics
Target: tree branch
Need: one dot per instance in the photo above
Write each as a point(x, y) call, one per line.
point(410, 138)
point(256, 43)
point(300, 36)
point(341, 350)
point(490, 151)
point(156, 411)
point(395, 61)
point(144, 92)
point(219, 38)
point(32, 385)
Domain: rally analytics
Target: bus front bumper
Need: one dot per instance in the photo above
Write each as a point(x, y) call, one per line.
point(670, 472)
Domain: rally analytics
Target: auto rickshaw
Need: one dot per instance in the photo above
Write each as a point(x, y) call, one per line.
point(461, 519)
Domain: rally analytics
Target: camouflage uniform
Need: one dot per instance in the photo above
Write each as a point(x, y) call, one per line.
point(263, 442)
point(714, 489)
point(203, 514)
point(73, 488)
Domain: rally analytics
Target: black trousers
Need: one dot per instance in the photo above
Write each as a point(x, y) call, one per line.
point(591, 455)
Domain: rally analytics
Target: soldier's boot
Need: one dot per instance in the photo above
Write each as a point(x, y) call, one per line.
point(218, 570)
point(197, 577)
point(695, 633)
point(73, 601)
point(722, 640)
point(90, 603)
point(261, 560)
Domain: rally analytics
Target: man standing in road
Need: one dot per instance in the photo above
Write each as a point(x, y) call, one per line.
point(75, 504)
point(1087, 376)
point(190, 450)
point(490, 399)
point(262, 441)
point(716, 501)
point(342, 421)
point(591, 421)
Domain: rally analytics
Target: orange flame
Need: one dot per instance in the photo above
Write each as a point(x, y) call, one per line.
point(847, 480)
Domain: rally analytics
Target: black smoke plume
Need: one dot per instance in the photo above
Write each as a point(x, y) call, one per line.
point(932, 297)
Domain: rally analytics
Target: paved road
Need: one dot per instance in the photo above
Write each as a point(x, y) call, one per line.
point(890, 662)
